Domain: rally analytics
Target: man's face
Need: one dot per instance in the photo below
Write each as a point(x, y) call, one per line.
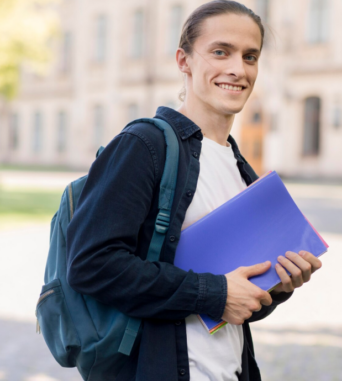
point(225, 54)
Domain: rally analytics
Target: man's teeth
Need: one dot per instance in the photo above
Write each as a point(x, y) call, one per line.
point(229, 87)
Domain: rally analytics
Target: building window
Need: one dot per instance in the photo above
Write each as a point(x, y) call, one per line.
point(66, 52)
point(138, 34)
point(337, 117)
point(175, 28)
point(133, 112)
point(262, 9)
point(98, 126)
point(61, 131)
point(37, 132)
point(256, 117)
point(318, 21)
point(14, 131)
point(100, 38)
point(312, 110)
point(255, 109)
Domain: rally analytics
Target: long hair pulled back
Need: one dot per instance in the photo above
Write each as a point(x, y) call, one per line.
point(192, 27)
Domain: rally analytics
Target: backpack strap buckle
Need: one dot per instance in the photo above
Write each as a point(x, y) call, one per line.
point(162, 221)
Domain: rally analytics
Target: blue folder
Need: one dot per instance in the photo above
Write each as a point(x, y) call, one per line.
point(257, 225)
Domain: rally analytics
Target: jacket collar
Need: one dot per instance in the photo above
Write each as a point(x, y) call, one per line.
point(186, 127)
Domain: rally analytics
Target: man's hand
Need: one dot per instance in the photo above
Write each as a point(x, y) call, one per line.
point(301, 266)
point(243, 296)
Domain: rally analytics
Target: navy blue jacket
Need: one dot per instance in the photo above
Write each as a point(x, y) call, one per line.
point(108, 240)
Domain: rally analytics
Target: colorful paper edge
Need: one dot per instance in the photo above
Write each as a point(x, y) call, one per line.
point(217, 328)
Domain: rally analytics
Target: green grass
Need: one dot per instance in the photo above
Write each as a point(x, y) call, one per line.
point(35, 168)
point(21, 206)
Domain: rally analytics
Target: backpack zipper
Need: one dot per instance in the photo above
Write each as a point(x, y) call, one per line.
point(42, 297)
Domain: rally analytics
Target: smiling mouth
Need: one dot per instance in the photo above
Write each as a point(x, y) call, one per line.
point(230, 87)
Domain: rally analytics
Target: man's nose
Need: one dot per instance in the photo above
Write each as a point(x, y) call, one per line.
point(236, 67)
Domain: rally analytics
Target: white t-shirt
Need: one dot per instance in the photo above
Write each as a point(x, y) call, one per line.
point(214, 357)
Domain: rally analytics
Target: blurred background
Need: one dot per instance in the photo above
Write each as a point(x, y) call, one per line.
point(73, 73)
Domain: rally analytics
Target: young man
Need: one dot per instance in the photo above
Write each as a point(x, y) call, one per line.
point(109, 235)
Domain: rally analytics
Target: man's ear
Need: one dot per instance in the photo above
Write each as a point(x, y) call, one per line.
point(182, 61)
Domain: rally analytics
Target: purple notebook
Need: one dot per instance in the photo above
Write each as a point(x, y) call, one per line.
point(257, 225)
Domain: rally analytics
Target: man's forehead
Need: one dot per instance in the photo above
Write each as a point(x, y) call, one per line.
point(229, 29)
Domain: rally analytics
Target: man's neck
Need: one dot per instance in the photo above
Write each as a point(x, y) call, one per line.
point(213, 125)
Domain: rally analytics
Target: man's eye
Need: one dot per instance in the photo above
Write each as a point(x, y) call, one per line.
point(219, 52)
point(251, 58)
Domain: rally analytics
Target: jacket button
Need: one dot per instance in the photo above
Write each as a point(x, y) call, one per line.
point(182, 372)
point(195, 154)
point(189, 193)
point(178, 322)
point(172, 238)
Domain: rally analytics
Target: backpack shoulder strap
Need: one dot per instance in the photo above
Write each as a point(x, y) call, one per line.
point(169, 178)
point(166, 195)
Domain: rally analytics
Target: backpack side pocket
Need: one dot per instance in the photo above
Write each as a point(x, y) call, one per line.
point(56, 324)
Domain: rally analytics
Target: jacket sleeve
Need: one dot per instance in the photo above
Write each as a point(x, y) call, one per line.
point(102, 241)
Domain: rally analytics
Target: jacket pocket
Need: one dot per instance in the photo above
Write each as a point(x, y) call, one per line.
point(56, 324)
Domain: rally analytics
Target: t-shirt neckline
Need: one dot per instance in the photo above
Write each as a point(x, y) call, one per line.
point(217, 145)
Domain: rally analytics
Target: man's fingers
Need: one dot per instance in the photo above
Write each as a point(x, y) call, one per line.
point(285, 279)
point(296, 272)
point(257, 269)
point(255, 306)
point(263, 296)
point(301, 263)
point(314, 262)
point(266, 300)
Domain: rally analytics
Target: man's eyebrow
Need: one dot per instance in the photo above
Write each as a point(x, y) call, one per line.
point(224, 44)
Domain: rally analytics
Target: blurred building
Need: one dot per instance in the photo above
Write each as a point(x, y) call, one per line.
point(115, 62)
point(300, 88)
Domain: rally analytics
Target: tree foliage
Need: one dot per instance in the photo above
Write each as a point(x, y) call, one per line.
point(27, 28)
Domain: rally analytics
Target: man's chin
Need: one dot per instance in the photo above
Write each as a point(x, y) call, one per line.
point(231, 109)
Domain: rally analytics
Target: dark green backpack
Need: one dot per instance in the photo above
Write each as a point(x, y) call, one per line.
point(79, 330)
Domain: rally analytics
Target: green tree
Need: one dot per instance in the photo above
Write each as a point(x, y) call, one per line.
point(27, 28)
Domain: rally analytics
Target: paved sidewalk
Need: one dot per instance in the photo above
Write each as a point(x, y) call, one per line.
point(304, 359)
point(24, 355)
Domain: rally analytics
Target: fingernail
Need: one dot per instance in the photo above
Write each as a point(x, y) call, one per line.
point(301, 253)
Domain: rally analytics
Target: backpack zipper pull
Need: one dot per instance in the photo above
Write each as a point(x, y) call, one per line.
point(37, 325)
